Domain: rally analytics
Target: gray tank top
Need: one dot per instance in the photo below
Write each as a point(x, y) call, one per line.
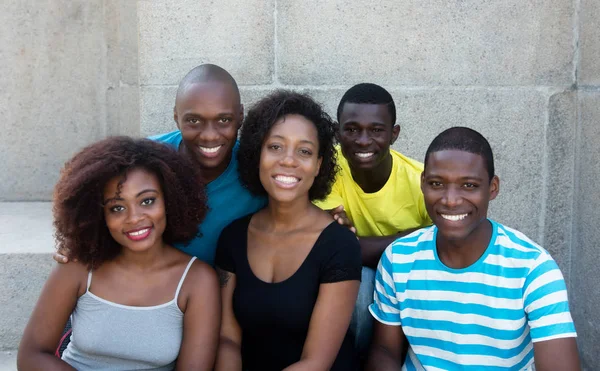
point(111, 336)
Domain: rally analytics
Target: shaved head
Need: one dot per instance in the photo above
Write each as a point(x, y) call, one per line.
point(207, 73)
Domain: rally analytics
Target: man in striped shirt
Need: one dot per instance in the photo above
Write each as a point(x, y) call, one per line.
point(468, 293)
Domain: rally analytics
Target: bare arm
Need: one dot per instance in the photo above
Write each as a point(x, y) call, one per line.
point(556, 354)
point(388, 348)
point(328, 326)
point(50, 315)
point(202, 319)
point(229, 355)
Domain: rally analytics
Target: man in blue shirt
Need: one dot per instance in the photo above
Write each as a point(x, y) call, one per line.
point(468, 292)
point(208, 114)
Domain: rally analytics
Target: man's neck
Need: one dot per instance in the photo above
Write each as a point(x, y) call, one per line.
point(372, 180)
point(460, 254)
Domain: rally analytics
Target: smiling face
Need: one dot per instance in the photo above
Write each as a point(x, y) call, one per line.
point(209, 114)
point(289, 159)
point(457, 191)
point(135, 215)
point(366, 133)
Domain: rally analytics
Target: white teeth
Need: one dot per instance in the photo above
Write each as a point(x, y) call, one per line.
point(287, 179)
point(364, 155)
point(139, 233)
point(210, 150)
point(454, 218)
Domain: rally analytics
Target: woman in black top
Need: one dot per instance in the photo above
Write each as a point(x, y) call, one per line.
point(289, 273)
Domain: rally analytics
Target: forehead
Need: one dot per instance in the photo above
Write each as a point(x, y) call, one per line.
point(137, 180)
point(294, 126)
point(365, 113)
point(208, 96)
point(455, 163)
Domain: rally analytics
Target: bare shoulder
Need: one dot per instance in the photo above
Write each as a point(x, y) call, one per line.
point(70, 275)
point(201, 277)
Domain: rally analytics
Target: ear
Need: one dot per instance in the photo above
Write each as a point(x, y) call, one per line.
point(241, 116)
point(336, 131)
point(395, 133)
point(175, 117)
point(494, 187)
point(422, 180)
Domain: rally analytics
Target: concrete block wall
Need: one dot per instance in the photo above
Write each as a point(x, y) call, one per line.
point(69, 77)
point(524, 73)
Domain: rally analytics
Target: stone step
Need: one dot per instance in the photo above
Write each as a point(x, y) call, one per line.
point(26, 247)
point(8, 360)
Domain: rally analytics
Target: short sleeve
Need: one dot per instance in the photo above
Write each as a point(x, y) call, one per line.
point(546, 302)
point(342, 261)
point(224, 255)
point(385, 307)
point(334, 198)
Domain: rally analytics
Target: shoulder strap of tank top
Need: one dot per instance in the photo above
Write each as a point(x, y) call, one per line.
point(89, 281)
point(183, 276)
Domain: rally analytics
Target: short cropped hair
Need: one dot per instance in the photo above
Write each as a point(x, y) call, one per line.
point(78, 196)
point(463, 139)
point(261, 118)
point(367, 93)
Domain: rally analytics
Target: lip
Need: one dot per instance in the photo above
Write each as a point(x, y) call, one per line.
point(286, 185)
point(134, 236)
point(204, 150)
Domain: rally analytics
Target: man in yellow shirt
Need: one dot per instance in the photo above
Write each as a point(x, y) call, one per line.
point(377, 190)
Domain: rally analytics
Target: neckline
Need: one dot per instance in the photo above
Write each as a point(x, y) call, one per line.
point(477, 262)
point(311, 252)
point(381, 190)
point(131, 307)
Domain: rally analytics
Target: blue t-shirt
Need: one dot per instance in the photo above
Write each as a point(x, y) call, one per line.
point(485, 316)
point(228, 200)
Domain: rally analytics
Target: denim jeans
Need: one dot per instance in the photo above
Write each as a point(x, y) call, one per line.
point(362, 320)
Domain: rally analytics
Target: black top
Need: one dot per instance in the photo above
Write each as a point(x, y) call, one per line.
point(274, 317)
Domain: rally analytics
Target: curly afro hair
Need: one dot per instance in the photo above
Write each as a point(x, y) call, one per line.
point(78, 195)
point(261, 118)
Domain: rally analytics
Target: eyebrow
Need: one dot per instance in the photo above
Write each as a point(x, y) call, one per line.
point(302, 141)
point(149, 190)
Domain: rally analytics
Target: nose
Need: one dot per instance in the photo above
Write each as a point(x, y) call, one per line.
point(363, 138)
point(134, 215)
point(451, 197)
point(288, 159)
point(209, 133)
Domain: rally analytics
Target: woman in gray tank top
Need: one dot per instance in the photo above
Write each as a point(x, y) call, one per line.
point(135, 302)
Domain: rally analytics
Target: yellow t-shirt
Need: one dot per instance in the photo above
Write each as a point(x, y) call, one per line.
point(396, 207)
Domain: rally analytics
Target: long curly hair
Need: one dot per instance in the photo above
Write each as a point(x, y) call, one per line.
point(261, 118)
point(78, 196)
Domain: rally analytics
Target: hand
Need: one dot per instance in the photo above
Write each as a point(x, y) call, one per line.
point(339, 214)
point(62, 256)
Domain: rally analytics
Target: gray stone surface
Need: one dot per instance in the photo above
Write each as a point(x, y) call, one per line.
point(418, 42)
point(559, 178)
point(176, 36)
point(585, 290)
point(56, 86)
point(589, 41)
point(53, 101)
point(22, 277)
point(26, 227)
point(8, 361)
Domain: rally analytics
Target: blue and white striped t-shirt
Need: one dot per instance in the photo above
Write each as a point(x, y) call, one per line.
point(483, 317)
